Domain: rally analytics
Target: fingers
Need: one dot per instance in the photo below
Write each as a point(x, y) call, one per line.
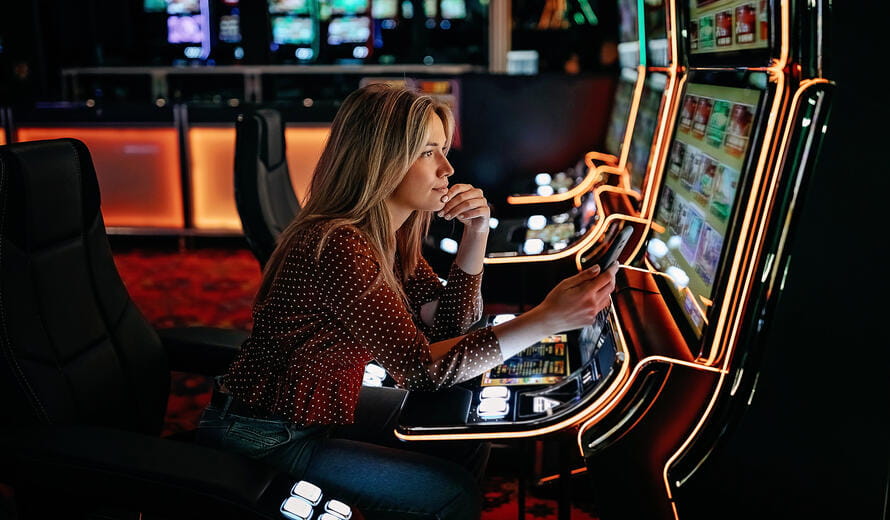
point(464, 201)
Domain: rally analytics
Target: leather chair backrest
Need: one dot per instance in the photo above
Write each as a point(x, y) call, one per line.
point(264, 194)
point(74, 349)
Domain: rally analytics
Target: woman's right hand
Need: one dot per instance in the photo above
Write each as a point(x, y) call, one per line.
point(575, 301)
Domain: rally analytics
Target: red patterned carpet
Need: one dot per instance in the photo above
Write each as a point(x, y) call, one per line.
point(215, 287)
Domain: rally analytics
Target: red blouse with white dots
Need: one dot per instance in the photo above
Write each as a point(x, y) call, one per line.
point(323, 320)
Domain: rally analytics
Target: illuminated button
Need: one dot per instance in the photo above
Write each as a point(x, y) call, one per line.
point(493, 223)
point(492, 407)
point(449, 245)
point(543, 179)
point(308, 491)
point(679, 276)
point(328, 516)
point(296, 508)
point(536, 222)
point(674, 242)
point(543, 404)
point(656, 248)
point(500, 392)
point(338, 509)
point(544, 190)
point(533, 246)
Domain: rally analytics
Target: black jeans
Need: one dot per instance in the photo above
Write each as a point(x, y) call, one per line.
point(362, 464)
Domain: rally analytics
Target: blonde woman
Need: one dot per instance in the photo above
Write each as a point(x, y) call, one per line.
point(347, 285)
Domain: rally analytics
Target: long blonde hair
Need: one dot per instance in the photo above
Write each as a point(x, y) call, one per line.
point(377, 134)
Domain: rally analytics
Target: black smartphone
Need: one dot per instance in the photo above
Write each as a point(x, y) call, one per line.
point(615, 248)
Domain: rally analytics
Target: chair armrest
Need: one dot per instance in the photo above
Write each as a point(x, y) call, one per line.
point(88, 466)
point(201, 350)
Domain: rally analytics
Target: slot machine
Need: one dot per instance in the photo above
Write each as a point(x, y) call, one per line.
point(347, 31)
point(226, 32)
point(188, 30)
point(295, 30)
point(653, 385)
point(392, 32)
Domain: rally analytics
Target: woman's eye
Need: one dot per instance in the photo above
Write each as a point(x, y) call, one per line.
point(428, 153)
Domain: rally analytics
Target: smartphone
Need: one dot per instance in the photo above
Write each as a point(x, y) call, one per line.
point(615, 248)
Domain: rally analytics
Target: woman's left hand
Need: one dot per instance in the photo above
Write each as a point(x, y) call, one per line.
point(468, 205)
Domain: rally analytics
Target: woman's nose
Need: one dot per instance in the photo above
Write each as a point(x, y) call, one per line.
point(445, 169)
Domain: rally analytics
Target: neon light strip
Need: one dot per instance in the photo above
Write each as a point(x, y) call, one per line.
point(594, 173)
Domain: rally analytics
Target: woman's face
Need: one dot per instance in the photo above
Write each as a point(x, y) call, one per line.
point(427, 179)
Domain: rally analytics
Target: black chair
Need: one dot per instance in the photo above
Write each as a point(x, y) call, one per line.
point(84, 378)
point(264, 195)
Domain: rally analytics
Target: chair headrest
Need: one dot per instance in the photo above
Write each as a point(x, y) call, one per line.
point(55, 194)
point(271, 130)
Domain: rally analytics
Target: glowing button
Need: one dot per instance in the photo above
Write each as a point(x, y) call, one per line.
point(679, 276)
point(533, 246)
point(536, 222)
point(449, 245)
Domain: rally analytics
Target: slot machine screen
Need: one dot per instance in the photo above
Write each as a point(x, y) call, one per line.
point(349, 30)
point(288, 6)
point(154, 6)
point(292, 30)
point(385, 9)
point(728, 31)
point(624, 93)
point(183, 7)
point(185, 29)
point(644, 129)
point(453, 9)
point(544, 363)
point(349, 7)
point(695, 206)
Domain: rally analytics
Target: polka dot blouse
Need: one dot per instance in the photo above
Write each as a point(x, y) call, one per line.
point(324, 320)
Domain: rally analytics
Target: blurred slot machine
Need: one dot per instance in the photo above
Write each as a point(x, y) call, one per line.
point(226, 33)
point(188, 30)
point(393, 24)
point(456, 30)
point(295, 31)
point(347, 28)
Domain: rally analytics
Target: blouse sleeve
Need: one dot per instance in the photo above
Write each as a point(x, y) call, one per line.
point(370, 313)
point(460, 299)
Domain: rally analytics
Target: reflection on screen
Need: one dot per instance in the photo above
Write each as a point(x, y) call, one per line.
point(349, 30)
point(544, 363)
point(699, 191)
point(624, 93)
point(292, 30)
point(185, 29)
point(728, 25)
point(644, 129)
point(288, 7)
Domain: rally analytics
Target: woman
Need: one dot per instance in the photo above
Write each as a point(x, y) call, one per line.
point(347, 285)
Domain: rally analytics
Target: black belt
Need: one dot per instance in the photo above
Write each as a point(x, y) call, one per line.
point(231, 404)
